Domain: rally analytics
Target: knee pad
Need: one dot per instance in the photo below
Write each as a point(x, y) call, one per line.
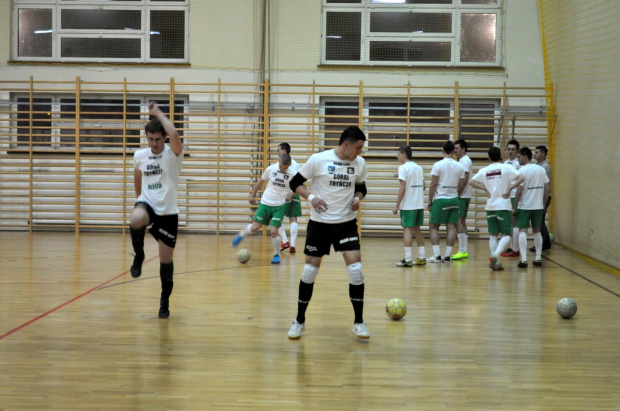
point(309, 274)
point(356, 276)
point(166, 271)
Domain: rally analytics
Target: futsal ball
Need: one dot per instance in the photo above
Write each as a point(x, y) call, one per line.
point(396, 309)
point(243, 256)
point(566, 307)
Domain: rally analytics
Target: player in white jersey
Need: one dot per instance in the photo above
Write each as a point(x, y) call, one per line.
point(410, 202)
point(156, 177)
point(496, 180)
point(293, 207)
point(460, 150)
point(512, 149)
point(272, 204)
point(540, 155)
point(530, 203)
point(338, 185)
point(447, 182)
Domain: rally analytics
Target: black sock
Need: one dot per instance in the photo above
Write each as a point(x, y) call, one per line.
point(137, 241)
point(356, 293)
point(305, 294)
point(165, 274)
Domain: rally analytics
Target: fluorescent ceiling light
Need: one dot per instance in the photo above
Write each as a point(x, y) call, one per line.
point(334, 37)
point(42, 31)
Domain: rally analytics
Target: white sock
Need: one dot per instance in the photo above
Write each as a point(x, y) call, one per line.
point(538, 242)
point(407, 253)
point(246, 231)
point(294, 231)
point(515, 238)
point(282, 233)
point(493, 243)
point(462, 242)
point(276, 244)
point(436, 251)
point(503, 243)
point(421, 252)
point(523, 245)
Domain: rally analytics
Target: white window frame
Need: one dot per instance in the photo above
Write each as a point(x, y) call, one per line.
point(366, 8)
point(145, 6)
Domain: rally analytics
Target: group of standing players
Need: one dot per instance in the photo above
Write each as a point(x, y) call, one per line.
point(338, 185)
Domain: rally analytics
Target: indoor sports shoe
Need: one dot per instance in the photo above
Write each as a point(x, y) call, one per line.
point(522, 264)
point(361, 331)
point(292, 250)
point(276, 259)
point(136, 267)
point(164, 311)
point(420, 261)
point(537, 263)
point(296, 329)
point(237, 240)
point(404, 263)
point(511, 253)
point(435, 259)
point(284, 246)
point(494, 264)
point(460, 255)
point(446, 259)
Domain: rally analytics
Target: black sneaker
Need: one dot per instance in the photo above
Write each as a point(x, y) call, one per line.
point(446, 259)
point(537, 263)
point(522, 264)
point(136, 267)
point(435, 259)
point(164, 312)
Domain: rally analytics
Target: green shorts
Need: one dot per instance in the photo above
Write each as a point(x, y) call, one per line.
point(293, 207)
point(500, 221)
point(270, 215)
point(464, 207)
point(412, 218)
point(525, 217)
point(445, 211)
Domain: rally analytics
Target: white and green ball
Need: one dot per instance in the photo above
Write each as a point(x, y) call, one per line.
point(243, 256)
point(396, 309)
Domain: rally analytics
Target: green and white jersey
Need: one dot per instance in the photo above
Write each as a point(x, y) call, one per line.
point(533, 187)
point(413, 176)
point(467, 165)
point(449, 172)
point(515, 164)
point(497, 178)
point(160, 178)
point(277, 185)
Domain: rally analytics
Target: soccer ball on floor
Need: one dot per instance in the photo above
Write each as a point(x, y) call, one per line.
point(243, 256)
point(566, 307)
point(396, 309)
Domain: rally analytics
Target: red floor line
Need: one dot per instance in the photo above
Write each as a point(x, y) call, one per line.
point(66, 303)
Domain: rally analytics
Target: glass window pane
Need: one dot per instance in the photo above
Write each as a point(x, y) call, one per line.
point(167, 34)
point(478, 37)
point(343, 34)
point(100, 48)
point(41, 120)
point(79, 19)
point(411, 22)
point(410, 51)
point(35, 33)
point(338, 116)
point(411, 1)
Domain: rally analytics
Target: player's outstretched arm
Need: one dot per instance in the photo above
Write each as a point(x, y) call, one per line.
point(175, 140)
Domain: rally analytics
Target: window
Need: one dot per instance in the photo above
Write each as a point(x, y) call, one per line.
point(108, 31)
point(106, 124)
point(451, 33)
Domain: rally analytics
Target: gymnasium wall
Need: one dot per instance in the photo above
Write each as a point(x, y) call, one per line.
point(582, 42)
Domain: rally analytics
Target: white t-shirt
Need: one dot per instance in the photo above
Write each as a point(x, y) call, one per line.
point(533, 187)
point(497, 178)
point(160, 178)
point(449, 172)
point(515, 164)
point(277, 185)
point(467, 165)
point(333, 181)
point(413, 176)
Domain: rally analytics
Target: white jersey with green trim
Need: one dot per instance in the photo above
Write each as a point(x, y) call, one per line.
point(160, 178)
point(413, 176)
point(333, 181)
point(515, 164)
point(467, 165)
point(532, 197)
point(497, 178)
point(277, 185)
point(450, 173)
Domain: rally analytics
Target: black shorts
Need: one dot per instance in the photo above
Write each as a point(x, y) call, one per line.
point(321, 236)
point(164, 227)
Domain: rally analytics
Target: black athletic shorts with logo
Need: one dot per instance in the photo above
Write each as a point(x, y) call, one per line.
point(321, 236)
point(164, 227)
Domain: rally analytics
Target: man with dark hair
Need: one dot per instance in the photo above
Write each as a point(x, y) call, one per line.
point(410, 202)
point(460, 150)
point(512, 149)
point(156, 177)
point(530, 203)
point(496, 180)
point(540, 155)
point(293, 207)
point(447, 182)
point(338, 185)
point(272, 203)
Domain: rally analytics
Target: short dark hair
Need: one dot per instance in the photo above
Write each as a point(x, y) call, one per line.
point(448, 147)
point(352, 134)
point(543, 149)
point(525, 151)
point(495, 154)
point(514, 143)
point(461, 143)
point(154, 126)
point(285, 159)
point(406, 150)
point(286, 147)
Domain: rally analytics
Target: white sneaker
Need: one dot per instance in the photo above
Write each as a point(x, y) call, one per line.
point(435, 259)
point(296, 329)
point(361, 331)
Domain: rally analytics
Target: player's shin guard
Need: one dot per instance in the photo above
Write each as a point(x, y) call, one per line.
point(137, 241)
point(356, 290)
point(166, 272)
point(305, 294)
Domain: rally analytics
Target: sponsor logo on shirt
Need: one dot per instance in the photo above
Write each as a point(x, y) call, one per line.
point(331, 169)
point(350, 170)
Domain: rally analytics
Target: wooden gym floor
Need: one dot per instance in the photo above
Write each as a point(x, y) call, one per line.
point(77, 332)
